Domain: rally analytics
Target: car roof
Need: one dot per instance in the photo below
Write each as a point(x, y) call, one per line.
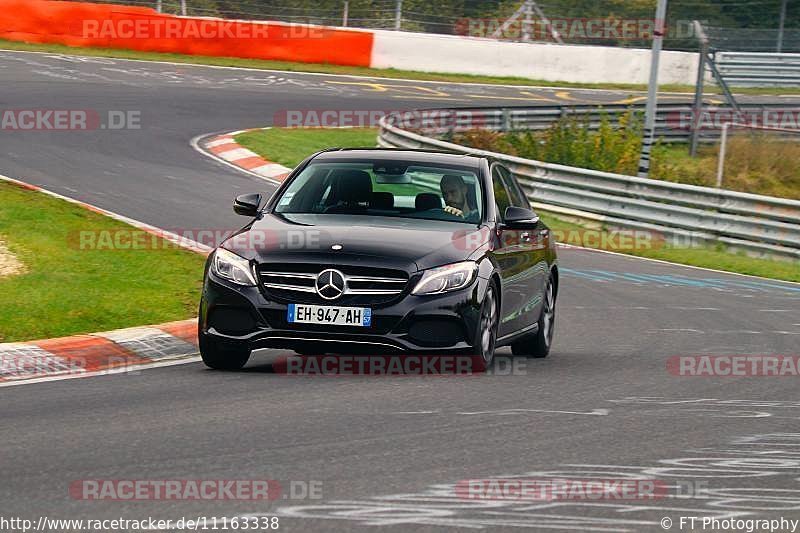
point(388, 154)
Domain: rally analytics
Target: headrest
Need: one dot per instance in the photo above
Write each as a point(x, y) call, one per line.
point(427, 200)
point(382, 200)
point(353, 186)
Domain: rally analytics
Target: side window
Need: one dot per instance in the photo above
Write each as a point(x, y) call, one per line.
point(502, 199)
point(515, 192)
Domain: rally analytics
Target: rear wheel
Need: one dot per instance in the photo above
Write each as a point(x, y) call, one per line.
point(222, 356)
point(538, 344)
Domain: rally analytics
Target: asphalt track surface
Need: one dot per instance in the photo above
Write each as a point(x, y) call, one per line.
point(388, 451)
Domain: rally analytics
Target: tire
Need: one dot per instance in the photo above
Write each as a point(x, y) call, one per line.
point(538, 345)
point(220, 356)
point(486, 336)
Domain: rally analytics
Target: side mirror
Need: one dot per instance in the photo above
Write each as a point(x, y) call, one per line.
point(247, 204)
point(520, 217)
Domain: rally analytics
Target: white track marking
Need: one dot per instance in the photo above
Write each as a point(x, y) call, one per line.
point(108, 372)
point(501, 412)
point(679, 330)
point(635, 257)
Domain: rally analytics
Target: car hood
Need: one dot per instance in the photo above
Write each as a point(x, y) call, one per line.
point(408, 244)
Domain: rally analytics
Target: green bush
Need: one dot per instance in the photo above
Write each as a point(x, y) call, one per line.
point(755, 163)
point(570, 141)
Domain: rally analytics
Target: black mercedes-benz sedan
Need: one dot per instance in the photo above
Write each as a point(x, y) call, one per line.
point(383, 251)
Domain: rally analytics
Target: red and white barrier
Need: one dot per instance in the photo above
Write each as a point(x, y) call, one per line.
point(542, 61)
point(139, 28)
point(144, 29)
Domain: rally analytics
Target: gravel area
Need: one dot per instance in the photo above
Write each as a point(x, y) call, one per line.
point(9, 264)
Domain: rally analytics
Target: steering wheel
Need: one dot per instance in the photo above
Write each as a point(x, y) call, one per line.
point(441, 214)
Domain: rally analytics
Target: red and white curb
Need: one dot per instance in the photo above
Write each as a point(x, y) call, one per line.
point(225, 149)
point(110, 352)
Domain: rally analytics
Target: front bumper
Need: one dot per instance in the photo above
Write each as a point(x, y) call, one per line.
point(444, 323)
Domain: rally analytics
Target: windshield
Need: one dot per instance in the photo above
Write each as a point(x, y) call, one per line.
point(385, 188)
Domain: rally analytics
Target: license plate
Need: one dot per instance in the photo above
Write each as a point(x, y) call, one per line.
point(326, 314)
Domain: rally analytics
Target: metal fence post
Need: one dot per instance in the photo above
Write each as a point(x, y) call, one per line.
point(726, 90)
point(451, 125)
point(780, 26)
point(723, 141)
point(527, 21)
point(553, 33)
point(650, 111)
point(697, 109)
point(506, 122)
point(398, 15)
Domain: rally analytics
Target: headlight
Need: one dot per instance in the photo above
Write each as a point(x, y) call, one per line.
point(447, 278)
point(230, 266)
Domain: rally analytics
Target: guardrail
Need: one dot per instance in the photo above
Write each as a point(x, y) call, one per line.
point(687, 214)
point(673, 121)
point(751, 69)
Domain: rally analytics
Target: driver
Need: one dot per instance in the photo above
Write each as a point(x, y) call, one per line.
point(454, 191)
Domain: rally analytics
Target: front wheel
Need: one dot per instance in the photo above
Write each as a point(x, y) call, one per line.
point(487, 328)
point(221, 356)
point(538, 344)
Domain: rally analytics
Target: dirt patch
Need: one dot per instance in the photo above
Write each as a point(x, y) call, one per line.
point(9, 264)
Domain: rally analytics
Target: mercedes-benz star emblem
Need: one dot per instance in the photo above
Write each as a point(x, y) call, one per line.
point(330, 284)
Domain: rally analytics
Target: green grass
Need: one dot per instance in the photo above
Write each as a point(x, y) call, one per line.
point(755, 162)
point(720, 259)
point(557, 223)
point(707, 257)
point(289, 146)
point(758, 164)
point(66, 290)
point(357, 71)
